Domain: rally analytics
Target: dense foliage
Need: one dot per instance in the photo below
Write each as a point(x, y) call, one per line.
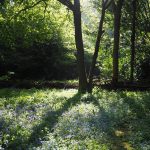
point(32, 44)
point(35, 45)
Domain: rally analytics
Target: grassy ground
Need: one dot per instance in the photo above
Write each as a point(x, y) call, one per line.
point(63, 120)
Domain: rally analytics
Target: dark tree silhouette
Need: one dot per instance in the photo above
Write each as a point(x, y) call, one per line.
point(117, 23)
point(134, 9)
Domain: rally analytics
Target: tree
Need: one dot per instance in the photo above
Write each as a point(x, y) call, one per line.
point(134, 7)
point(105, 5)
point(16, 13)
point(85, 85)
point(79, 42)
point(75, 8)
point(117, 22)
point(79, 46)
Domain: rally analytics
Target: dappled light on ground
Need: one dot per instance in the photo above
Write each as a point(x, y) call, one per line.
point(64, 119)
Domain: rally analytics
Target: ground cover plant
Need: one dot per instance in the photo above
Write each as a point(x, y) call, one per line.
point(51, 119)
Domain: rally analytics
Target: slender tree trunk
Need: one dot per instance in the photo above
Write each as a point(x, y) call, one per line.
point(95, 55)
point(117, 23)
point(80, 47)
point(133, 40)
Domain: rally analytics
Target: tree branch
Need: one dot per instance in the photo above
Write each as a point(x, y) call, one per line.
point(67, 3)
point(27, 8)
point(108, 3)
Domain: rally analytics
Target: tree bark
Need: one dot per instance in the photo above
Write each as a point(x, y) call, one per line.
point(97, 45)
point(117, 23)
point(133, 40)
point(79, 47)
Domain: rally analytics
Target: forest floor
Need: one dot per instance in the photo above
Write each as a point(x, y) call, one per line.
point(56, 119)
point(67, 84)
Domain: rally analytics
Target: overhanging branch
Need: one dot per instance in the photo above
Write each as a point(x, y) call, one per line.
point(67, 3)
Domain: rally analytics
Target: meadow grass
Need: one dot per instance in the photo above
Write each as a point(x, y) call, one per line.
point(50, 119)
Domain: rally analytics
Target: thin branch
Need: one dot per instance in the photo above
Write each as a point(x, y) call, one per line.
point(27, 8)
point(108, 3)
point(46, 5)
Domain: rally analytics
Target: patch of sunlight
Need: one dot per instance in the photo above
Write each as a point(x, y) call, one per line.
point(127, 146)
point(119, 133)
point(65, 93)
point(78, 122)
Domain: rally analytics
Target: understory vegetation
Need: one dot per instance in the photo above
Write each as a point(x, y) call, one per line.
point(63, 119)
point(37, 40)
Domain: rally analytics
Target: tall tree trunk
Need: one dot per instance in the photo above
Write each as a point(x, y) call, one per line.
point(80, 47)
point(133, 39)
point(117, 23)
point(97, 45)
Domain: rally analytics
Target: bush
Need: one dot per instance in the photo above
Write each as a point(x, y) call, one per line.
point(40, 61)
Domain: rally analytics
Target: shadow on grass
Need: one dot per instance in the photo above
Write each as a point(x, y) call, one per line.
point(109, 126)
point(121, 132)
point(50, 119)
point(115, 129)
point(140, 106)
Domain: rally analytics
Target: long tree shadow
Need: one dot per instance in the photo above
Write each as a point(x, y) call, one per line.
point(107, 123)
point(50, 120)
point(115, 128)
point(119, 131)
point(140, 106)
point(109, 126)
point(135, 125)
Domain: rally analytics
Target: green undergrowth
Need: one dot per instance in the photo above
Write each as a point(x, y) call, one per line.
point(63, 120)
